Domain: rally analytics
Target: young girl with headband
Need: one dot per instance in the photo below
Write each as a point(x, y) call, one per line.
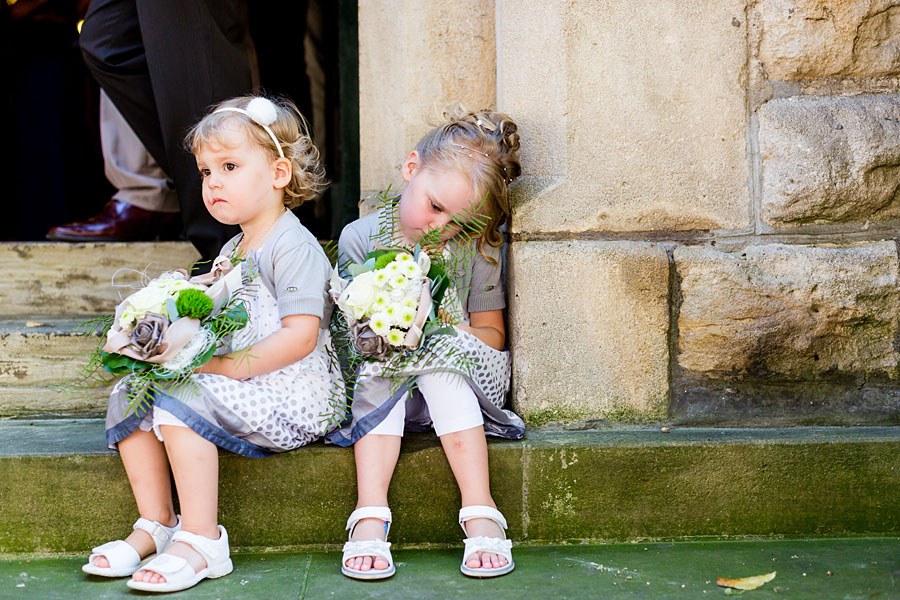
point(461, 168)
point(256, 161)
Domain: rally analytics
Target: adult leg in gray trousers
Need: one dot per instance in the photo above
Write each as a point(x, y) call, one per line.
point(144, 206)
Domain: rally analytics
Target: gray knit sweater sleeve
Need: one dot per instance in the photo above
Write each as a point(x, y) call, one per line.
point(294, 266)
point(356, 241)
point(486, 290)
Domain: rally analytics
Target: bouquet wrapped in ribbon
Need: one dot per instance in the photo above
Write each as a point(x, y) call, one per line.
point(390, 302)
point(169, 327)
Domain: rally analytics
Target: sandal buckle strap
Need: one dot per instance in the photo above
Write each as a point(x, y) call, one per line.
point(211, 550)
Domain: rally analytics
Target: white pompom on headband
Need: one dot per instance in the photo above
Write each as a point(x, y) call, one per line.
point(261, 111)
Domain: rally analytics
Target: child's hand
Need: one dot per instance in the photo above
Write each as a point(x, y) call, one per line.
point(220, 365)
point(445, 317)
point(295, 339)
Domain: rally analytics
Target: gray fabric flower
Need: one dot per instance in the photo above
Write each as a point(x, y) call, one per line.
point(147, 335)
point(367, 342)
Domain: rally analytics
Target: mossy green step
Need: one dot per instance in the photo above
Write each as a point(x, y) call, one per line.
point(60, 490)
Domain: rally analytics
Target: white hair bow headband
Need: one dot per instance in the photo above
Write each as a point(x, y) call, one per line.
point(261, 111)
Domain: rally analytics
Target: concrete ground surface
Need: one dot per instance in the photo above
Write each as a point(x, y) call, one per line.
point(820, 568)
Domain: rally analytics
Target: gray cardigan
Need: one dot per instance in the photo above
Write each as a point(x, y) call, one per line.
point(480, 289)
point(294, 268)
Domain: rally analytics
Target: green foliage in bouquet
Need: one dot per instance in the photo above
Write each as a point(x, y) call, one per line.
point(231, 319)
point(382, 257)
point(194, 304)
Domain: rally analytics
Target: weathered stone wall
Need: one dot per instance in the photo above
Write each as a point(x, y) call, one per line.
point(414, 58)
point(706, 227)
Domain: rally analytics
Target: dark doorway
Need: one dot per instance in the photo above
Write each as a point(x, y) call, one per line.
point(53, 166)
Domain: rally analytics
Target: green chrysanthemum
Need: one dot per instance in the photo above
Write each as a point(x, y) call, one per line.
point(383, 260)
point(194, 304)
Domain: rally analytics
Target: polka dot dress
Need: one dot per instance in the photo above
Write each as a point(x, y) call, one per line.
point(277, 411)
point(289, 407)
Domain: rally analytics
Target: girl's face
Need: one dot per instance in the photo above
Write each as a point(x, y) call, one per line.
point(432, 196)
point(241, 184)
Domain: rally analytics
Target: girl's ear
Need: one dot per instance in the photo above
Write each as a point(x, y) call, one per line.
point(282, 170)
point(410, 165)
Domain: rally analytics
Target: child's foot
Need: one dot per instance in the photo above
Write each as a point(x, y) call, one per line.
point(484, 560)
point(139, 539)
point(185, 551)
point(188, 561)
point(488, 551)
point(121, 558)
point(368, 529)
point(367, 554)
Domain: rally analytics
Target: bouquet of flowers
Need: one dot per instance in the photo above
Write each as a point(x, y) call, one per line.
point(168, 328)
point(391, 301)
point(398, 308)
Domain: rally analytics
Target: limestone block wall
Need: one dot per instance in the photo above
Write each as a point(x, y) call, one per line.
point(706, 230)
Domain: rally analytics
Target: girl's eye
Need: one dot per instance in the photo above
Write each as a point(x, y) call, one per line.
point(436, 208)
point(230, 166)
point(204, 172)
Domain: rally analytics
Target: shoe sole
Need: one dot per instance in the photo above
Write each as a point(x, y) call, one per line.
point(368, 575)
point(101, 572)
point(486, 573)
point(214, 573)
point(92, 569)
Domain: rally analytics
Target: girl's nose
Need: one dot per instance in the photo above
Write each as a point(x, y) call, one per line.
point(437, 222)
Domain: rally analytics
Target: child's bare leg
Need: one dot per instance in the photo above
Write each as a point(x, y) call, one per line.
point(376, 457)
point(147, 467)
point(195, 465)
point(466, 452)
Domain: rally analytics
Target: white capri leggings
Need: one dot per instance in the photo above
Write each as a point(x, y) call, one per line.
point(451, 403)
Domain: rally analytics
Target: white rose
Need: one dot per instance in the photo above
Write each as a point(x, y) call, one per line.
point(358, 296)
point(173, 286)
point(149, 299)
point(424, 263)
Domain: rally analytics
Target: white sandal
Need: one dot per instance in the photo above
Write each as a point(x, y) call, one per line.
point(379, 548)
point(178, 573)
point(481, 543)
point(122, 557)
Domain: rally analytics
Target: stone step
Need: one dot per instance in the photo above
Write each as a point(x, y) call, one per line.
point(58, 279)
point(40, 361)
point(616, 484)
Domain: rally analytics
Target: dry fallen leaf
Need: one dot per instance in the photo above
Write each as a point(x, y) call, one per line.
point(746, 583)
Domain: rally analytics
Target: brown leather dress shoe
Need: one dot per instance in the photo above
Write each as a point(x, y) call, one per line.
point(120, 222)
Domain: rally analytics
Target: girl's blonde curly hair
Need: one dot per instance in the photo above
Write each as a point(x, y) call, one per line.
point(307, 173)
point(485, 146)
